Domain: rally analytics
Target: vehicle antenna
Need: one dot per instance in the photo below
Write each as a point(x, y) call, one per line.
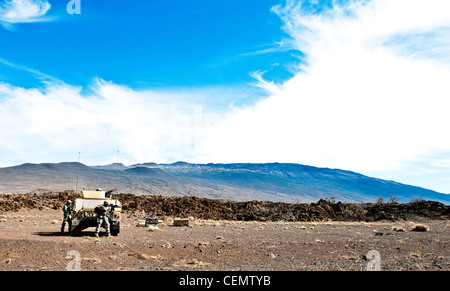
point(117, 172)
point(76, 188)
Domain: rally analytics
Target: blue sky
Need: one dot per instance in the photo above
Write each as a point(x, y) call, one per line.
point(352, 84)
point(151, 43)
point(209, 54)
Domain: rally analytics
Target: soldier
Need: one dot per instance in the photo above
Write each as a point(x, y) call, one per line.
point(102, 218)
point(67, 212)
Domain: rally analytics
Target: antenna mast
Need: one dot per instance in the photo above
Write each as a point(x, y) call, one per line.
point(117, 172)
point(76, 188)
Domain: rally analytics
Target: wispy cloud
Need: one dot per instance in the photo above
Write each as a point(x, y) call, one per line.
point(44, 78)
point(58, 121)
point(433, 44)
point(280, 46)
point(22, 11)
point(360, 102)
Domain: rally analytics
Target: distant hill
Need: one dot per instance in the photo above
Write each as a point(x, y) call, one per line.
point(270, 182)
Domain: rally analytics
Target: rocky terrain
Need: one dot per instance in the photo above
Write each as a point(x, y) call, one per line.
point(228, 235)
point(279, 182)
point(214, 209)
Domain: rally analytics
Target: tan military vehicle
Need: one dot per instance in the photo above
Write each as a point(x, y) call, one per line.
point(83, 211)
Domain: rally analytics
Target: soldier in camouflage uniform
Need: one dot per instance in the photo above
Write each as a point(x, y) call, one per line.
point(102, 218)
point(67, 212)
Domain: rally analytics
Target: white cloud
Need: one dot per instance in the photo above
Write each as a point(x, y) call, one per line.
point(54, 123)
point(22, 11)
point(358, 103)
point(50, 124)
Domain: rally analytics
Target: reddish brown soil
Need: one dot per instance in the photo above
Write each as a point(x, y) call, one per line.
point(222, 240)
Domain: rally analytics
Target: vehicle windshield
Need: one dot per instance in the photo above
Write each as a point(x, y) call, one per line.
point(88, 204)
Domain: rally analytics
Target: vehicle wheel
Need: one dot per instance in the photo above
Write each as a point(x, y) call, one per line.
point(115, 229)
point(75, 231)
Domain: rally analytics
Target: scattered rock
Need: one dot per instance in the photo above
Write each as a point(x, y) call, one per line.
point(399, 229)
point(91, 260)
point(153, 228)
point(420, 228)
point(272, 255)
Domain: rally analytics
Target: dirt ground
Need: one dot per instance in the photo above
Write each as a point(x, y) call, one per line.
point(30, 239)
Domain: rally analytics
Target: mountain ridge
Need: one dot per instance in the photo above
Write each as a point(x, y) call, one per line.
point(279, 182)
